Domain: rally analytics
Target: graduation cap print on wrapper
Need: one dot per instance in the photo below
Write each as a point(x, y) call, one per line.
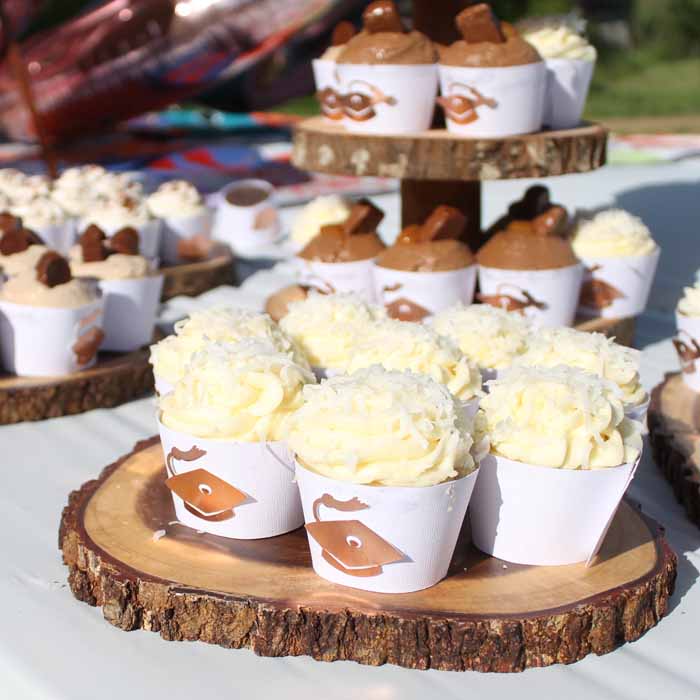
point(687, 345)
point(231, 489)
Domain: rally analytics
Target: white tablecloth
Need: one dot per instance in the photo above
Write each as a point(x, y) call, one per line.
point(53, 647)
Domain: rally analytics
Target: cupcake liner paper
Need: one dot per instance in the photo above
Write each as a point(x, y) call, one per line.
point(493, 102)
point(387, 99)
point(183, 228)
point(546, 297)
point(568, 81)
point(130, 310)
point(60, 237)
point(528, 514)
point(412, 296)
point(47, 342)
point(617, 287)
point(687, 344)
point(241, 490)
point(329, 278)
point(246, 229)
point(325, 78)
point(387, 539)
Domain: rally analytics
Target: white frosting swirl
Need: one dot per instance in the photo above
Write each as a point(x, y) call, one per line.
point(40, 212)
point(12, 182)
point(24, 288)
point(24, 260)
point(245, 392)
point(689, 305)
point(115, 267)
point(319, 212)
point(329, 327)
point(612, 233)
point(176, 199)
point(114, 214)
point(398, 345)
point(559, 417)
point(171, 355)
point(487, 335)
point(558, 37)
point(382, 428)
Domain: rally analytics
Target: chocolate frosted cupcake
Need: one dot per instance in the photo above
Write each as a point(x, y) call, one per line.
point(530, 267)
point(339, 258)
point(492, 81)
point(427, 269)
point(387, 76)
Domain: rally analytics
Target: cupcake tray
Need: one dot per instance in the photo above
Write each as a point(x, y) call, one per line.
point(115, 379)
point(193, 279)
point(674, 434)
point(127, 554)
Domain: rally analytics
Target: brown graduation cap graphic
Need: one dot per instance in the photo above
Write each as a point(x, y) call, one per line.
point(688, 351)
point(404, 309)
point(510, 302)
point(462, 108)
point(597, 293)
point(349, 545)
point(359, 106)
point(205, 495)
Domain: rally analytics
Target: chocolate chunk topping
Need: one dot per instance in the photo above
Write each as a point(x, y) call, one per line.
point(53, 269)
point(364, 217)
point(411, 234)
point(343, 32)
point(8, 222)
point(444, 222)
point(125, 241)
point(478, 23)
point(92, 244)
point(535, 201)
point(18, 240)
point(552, 223)
point(381, 16)
point(92, 234)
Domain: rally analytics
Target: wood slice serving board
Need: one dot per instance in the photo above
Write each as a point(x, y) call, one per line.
point(126, 555)
point(113, 380)
point(674, 433)
point(439, 155)
point(193, 279)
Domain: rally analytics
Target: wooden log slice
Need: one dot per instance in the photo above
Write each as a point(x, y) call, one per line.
point(622, 329)
point(126, 555)
point(193, 279)
point(115, 379)
point(438, 155)
point(674, 434)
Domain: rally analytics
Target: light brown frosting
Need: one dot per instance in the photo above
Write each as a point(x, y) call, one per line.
point(514, 51)
point(333, 245)
point(389, 48)
point(430, 256)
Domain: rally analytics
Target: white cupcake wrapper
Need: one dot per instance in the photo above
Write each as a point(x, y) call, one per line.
point(557, 289)
point(568, 81)
point(183, 228)
point(261, 472)
point(689, 331)
point(238, 226)
point(513, 99)
point(39, 341)
point(414, 295)
point(402, 97)
point(325, 76)
point(60, 237)
point(402, 541)
point(626, 283)
point(338, 277)
point(131, 307)
point(528, 514)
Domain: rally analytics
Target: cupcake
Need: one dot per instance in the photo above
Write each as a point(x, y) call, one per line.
point(171, 355)
point(50, 322)
point(492, 81)
point(594, 353)
point(385, 473)
point(491, 337)
point(687, 340)
point(12, 182)
point(562, 456)
point(531, 268)
point(620, 256)
point(397, 345)
point(570, 61)
point(75, 188)
point(387, 76)
point(328, 328)
point(223, 430)
point(325, 75)
point(48, 220)
point(427, 269)
point(319, 212)
point(20, 248)
point(185, 216)
point(125, 212)
point(340, 257)
point(129, 283)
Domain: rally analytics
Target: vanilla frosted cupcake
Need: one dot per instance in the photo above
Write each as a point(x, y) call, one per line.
point(400, 345)
point(74, 189)
point(385, 472)
point(592, 352)
point(687, 340)
point(319, 212)
point(621, 256)
point(20, 249)
point(171, 356)
point(11, 181)
point(491, 337)
point(222, 430)
point(329, 327)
